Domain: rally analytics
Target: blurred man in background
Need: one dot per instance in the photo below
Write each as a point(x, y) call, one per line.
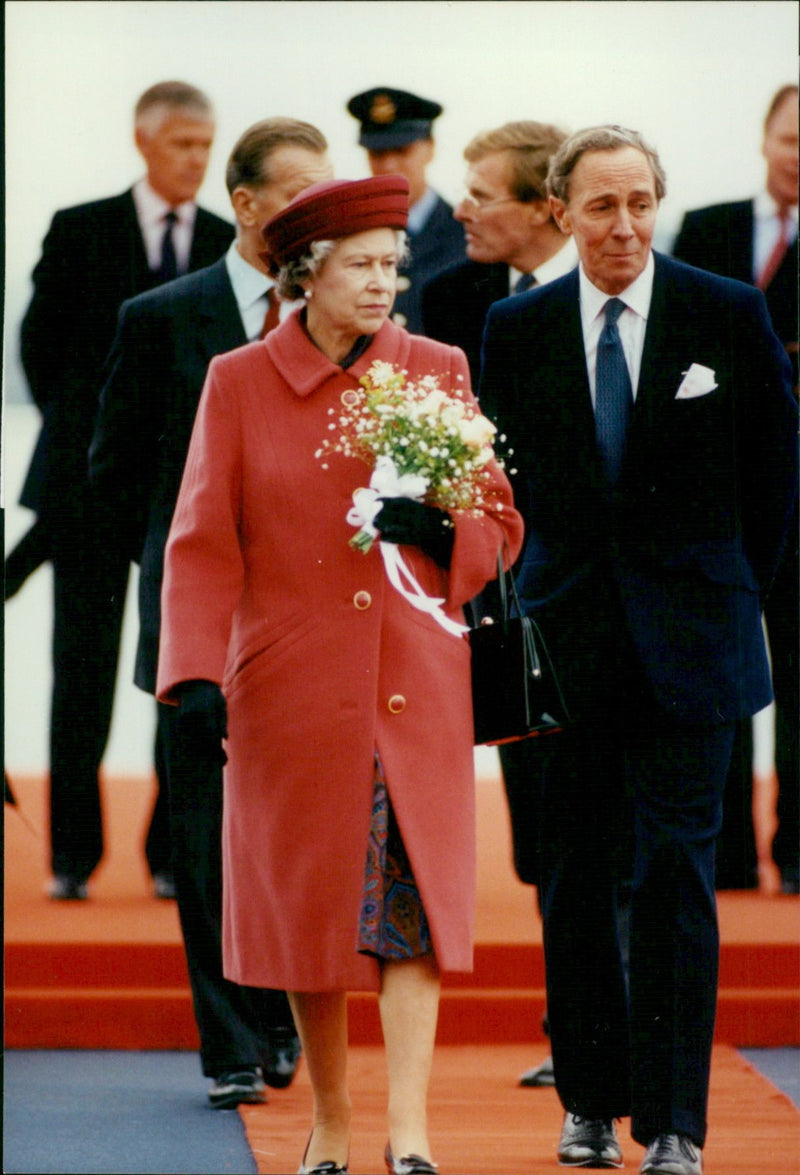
point(165, 340)
point(397, 132)
point(755, 241)
point(94, 256)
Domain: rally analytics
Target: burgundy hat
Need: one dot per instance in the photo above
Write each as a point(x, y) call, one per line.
point(334, 209)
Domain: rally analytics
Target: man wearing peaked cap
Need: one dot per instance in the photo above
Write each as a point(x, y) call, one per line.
point(397, 133)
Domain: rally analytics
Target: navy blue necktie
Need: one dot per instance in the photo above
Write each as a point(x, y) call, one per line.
point(613, 395)
point(525, 281)
point(168, 267)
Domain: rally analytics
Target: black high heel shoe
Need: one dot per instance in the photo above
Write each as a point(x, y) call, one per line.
point(328, 1167)
point(409, 1164)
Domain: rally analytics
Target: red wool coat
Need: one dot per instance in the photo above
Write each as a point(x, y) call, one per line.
point(322, 661)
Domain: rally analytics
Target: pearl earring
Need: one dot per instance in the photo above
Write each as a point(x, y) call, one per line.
point(307, 294)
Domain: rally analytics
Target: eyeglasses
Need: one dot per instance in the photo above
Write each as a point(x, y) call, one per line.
point(478, 204)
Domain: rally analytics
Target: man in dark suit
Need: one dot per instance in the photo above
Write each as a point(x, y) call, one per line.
point(650, 410)
point(165, 340)
point(755, 241)
point(512, 241)
point(513, 244)
point(397, 132)
point(94, 256)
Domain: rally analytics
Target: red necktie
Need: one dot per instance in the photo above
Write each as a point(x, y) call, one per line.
point(777, 255)
point(273, 315)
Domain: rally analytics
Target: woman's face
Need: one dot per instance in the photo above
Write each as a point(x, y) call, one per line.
point(353, 293)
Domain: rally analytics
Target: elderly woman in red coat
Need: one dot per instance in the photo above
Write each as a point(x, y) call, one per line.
point(349, 858)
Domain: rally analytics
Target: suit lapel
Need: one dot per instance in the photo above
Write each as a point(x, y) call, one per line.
point(220, 325)
point(141, 277)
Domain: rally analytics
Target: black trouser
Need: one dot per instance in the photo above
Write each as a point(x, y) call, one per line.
point(90, 578)
point(642, 1049)
point(783, 629)
point(234, 1021)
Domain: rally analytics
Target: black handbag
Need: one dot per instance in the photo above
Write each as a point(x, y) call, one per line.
point(515, 691)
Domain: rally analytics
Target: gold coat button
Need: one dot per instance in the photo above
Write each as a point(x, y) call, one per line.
point(362, 600)
point(397, 704)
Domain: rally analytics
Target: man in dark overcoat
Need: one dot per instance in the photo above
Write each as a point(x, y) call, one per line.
point(650, 409)
point(165, 340)
point(94, 256)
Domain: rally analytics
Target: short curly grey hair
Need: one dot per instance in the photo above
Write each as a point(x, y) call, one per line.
point(599, 138)
point(289, 282)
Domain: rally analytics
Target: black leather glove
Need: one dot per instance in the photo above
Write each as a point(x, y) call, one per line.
point(413, 524)
point(203, 718)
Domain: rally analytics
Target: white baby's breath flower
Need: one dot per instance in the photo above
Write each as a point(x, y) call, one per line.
point(477, 431)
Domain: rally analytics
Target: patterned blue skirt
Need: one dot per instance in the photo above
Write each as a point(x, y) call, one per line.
point(393, 923)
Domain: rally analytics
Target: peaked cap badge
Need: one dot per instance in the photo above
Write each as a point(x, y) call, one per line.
point(383, 109)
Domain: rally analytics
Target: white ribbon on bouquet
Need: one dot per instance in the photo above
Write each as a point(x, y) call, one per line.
point(386, 482)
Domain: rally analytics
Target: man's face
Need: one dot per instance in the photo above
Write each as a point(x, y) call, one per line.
point(291, 170)
point(410, 161)
point(611, 212)
point(780, 149)
point(177, 156)
point(497, 226)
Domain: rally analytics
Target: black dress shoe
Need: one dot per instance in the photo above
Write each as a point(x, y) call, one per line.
point(589, 1142)
point(540, 1076)
point(237, 1087)
point(64, 887)
point(281, 1057)
point(672, 1154)
point(408, 1165)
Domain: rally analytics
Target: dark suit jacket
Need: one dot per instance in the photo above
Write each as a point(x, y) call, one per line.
point(455, 305)
point(720, 239)
point(438, 246)
point(165, 340)
point(93, 258)
point(693, 532)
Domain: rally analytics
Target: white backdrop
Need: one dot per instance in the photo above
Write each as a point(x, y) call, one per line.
point(694, 77)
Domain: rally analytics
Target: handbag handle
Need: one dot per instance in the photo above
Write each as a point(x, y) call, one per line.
point(503, 585)
point(534, 663)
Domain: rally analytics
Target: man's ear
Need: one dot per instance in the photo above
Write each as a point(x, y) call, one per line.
point(243, 203)
point(560, 214)
point(539, 212)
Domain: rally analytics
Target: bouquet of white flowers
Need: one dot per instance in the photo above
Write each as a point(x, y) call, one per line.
point(421, 443)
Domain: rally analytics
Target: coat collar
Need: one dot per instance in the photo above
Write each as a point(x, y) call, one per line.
point(305, 368)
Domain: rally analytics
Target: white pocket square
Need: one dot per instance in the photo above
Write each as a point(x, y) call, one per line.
point(697, 381)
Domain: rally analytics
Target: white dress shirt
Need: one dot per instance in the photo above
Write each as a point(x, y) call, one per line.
point(556, 266)
point(631, 323)
point(419, 212)
point(766, 229)
point(250, 287)
point(150, 212)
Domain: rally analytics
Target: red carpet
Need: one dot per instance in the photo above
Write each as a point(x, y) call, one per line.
point(482, 1123)
point(110, 973)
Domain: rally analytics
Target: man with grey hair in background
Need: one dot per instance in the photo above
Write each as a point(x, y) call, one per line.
point(94, 257)
point(155, 373)
point(650, 409)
